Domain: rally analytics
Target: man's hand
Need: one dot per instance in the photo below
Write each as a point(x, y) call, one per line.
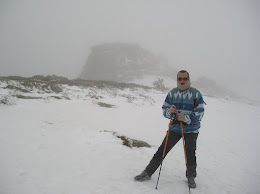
point(181, 117)
point(172, 109)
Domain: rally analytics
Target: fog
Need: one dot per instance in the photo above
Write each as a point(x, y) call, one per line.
point(214, 38)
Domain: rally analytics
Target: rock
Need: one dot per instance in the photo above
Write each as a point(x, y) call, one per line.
point(138, 143)
point(120, 62)
point(130, 142)
point(56, 88)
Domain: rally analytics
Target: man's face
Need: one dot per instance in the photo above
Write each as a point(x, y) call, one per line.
point(182, 78)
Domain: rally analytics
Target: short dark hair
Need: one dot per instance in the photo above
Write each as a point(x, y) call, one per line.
point(183, 71)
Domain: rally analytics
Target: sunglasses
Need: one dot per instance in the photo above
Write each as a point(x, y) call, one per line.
point(182, 78)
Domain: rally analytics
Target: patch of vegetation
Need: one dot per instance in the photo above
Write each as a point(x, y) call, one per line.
point(28, 97)
point(159, 84)
point(56, 97)
point(104, 84)
point(55, 80)
point(7, 100)
point(93, 96)
point(101, 104)
point(30, 84)
point(17, 88)
point(129, 98)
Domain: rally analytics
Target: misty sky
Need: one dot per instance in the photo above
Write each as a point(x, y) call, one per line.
point(217, 38)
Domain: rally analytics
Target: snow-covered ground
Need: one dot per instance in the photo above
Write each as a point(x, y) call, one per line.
point(51, 146)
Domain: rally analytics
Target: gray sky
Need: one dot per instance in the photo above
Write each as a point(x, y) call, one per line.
point(218, 38)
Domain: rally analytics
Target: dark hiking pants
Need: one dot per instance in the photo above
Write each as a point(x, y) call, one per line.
point(190, 144)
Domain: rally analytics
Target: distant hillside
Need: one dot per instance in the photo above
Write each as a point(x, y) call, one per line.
point(122, 62)
point(53, 87)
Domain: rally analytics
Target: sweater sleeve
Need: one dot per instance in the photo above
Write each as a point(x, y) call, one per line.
point(197, 114)
point(166, 106)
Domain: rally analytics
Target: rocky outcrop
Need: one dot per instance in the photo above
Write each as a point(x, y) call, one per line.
point(120, 62)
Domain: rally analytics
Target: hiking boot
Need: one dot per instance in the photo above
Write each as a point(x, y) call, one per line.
point(142, 177)
point(191, 182)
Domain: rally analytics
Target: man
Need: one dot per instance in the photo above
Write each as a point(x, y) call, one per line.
point(186, 105)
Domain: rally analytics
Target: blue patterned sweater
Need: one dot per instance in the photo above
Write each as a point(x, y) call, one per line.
point(184, 103)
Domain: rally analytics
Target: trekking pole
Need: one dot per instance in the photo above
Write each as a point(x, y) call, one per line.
point(183, 143)
point(184, 149)
point(166, 140)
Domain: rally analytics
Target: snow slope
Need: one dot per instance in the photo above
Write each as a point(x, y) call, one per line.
point(59, 146)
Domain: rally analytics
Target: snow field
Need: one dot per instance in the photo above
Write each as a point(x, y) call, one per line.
point(60, 147)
